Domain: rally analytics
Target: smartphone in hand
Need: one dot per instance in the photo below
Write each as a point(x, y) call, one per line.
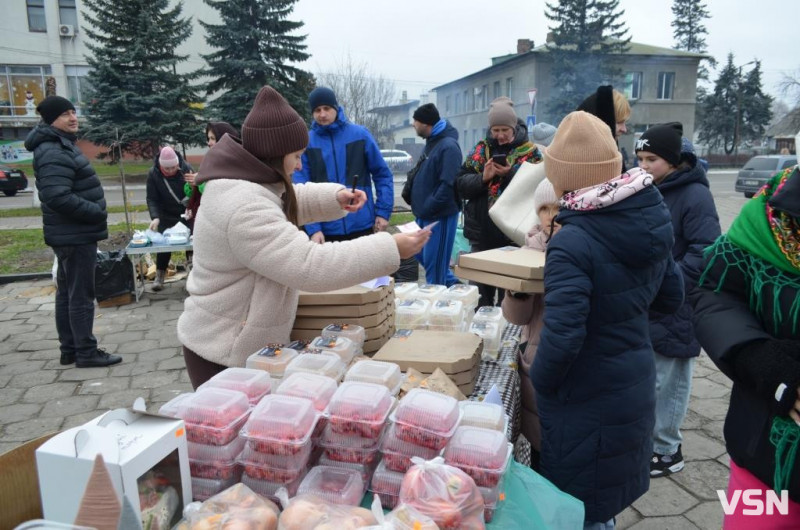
point(500, 160)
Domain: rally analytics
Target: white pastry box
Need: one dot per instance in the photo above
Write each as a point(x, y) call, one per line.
point(142, 451)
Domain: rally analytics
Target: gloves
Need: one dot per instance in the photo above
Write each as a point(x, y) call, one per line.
point(154, 224)
point(771, 368)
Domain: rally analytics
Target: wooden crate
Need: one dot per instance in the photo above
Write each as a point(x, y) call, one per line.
point(123, 299)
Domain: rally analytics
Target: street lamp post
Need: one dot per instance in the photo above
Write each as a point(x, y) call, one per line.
point(737, 125)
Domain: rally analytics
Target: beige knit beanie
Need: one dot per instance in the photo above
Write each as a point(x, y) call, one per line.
point(501, 112)
point(583, 154)
point(273, 128)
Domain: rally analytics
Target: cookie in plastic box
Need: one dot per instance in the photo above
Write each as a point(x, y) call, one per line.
point(345, 348)
point(378, 372)
point(273, 358)
point(354, 332)
point(484, 415)
point(411, 313)
point(446, 315)
point(324, 363)
point(426, 418)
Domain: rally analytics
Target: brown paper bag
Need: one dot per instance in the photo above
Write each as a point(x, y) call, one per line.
point(412, 380)
point(439, 382)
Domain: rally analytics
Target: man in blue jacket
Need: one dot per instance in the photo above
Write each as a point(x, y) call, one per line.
point(433, 195)
point(343, 152)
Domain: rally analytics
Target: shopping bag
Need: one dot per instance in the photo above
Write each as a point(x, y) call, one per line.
point(513, 212)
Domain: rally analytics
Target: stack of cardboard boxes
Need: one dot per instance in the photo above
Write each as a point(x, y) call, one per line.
point(516, 269)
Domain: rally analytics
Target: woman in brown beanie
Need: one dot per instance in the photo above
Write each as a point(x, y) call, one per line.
point(251, 257)
point(486, 173)
point(593, 372)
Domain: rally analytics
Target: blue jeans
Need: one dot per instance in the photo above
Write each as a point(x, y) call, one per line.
point(75, 299)
point(608, 525)
point(435, 255)
point(673, 386)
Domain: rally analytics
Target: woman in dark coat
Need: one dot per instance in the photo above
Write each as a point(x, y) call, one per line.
point(594, 372)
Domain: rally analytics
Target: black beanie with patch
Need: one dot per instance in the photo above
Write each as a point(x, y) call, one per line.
point(663, 140)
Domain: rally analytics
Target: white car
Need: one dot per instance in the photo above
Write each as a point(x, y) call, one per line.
point(397, 160)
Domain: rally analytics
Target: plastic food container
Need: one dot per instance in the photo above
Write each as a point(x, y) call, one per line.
point(273, 358)
point(318, 388)
point(345, 348)
point(215, 461)
point(255, 383)
point(360, 409)
point(41, 524)
point(430, 291)
point(336, 485)
point(397, 453)
point(213, 416)
point(274, 468)
point(351, 449)
point(411, 313)
point(203, 488)
point(281, 425)
point(491, 497)
point(268, 489)
point(490, 332)
point(354, 332)
point(386, 483)
point(484, 415)
point(324, 363)
point(378, 372)
point(171, 407)
point(426, 418)
point(467, 294)
point(489, 313)
point(482, 454)
point(446, 315)
point(365, 470)
point(405, 290)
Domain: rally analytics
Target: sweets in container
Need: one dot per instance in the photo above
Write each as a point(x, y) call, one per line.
point(378, 372)
point(273, 358)
point(213, 416)
point(349, 448)
point(426, 418)
point(345, 348)
point(360, 409)
point(405, 289)
point(482, 414)
point(203, 488)
point(335, 485)
point(281, 425)
point(324, 363)
point(254, 383)
point(215, 461)
point(316, 387)
point(397, 453)
point(354, 332)
point(430, 291)
point(386, 483)
point(483, 454)
point(274, 468)
point(411, 313)
point(446, 315)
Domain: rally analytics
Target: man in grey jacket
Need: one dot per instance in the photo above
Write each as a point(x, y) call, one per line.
point(74, 217)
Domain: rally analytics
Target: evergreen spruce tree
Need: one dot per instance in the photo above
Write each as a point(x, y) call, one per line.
point(586, 36)
point(255, 46)
point(756, 106)
point(718, 127)
point(134, 86)
point(690, 31)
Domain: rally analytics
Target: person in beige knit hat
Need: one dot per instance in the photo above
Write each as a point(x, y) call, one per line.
point(251, 257)
point(594, 375)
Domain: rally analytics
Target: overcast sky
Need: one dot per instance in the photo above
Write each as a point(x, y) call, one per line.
point(424, 43)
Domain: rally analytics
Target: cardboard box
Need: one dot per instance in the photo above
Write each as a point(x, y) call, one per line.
point(452, 351)
point(337, 311)
point(132, 442)
point(524, 263)
point(369, 321)
point(356, 295)
point(498, 280)
point(371, 346)
point(372, 333)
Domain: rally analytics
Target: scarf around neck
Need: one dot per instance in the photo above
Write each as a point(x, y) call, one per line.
point(609, 192)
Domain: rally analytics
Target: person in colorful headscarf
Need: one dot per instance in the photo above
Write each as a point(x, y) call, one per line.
point(486, 173)
point(747, 318)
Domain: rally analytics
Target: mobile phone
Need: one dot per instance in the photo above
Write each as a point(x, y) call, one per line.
point(500, 160)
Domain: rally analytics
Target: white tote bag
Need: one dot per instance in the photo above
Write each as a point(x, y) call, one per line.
point(513, 213)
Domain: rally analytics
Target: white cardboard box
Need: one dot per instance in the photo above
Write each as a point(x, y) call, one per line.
point(132, 442)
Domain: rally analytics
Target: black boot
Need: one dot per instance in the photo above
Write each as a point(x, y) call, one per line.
point(67, 358)
point(100, 358)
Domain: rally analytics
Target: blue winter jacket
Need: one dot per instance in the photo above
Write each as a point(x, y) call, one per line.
point(594, 371)
point(336, 153)
point(696, 226)
point(433, 194)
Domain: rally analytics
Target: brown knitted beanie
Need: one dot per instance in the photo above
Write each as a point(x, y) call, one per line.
point(583, 154)
point(273, 128)
point(501, 112)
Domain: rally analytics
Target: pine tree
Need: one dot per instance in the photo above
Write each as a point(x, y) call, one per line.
point(756, 106)
point(254, 45)
point(134, 85)
point(690, 31)
point(718, 127)
point(586, 36)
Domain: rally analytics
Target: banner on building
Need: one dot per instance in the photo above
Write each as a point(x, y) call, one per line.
point(13, 151)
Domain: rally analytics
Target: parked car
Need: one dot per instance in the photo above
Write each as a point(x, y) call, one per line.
point(12, 180)
point(757, 171)
point(396, 159)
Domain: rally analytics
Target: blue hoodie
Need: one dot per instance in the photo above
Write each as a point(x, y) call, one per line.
point(433, 194)
point(336, 153)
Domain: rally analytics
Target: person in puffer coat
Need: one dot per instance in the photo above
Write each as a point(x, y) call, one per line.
point(594, 372)
point(695, 223)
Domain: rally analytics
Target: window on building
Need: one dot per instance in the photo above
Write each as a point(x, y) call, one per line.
point(458, 104)
point(509, 86)
point(36, 19)
point(447, 104)
point(666, 84)
point(485, 96)
point(77, 85)
point(467, 147)
point(21, 89)
point(466, 101)
point(633, 85)
point(496, 90)
point(67, 13)
point(475, 136)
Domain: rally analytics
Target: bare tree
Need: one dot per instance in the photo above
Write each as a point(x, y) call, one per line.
point(358, 91)
point(789, 86)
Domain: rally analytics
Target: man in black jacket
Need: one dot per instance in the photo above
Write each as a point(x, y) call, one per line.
point(74, 217)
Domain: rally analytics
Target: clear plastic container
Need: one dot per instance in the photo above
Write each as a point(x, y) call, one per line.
point(345, 348)
point(215, 461)
point(203, 488)
point(378, 372)
point(467, 294)
point(430, 291)
point(490, 332)
point(268, 489)
point(489, 313)
point(491, 498)
point(335, 485)
point(405, 290)
point(386, 483)
point(365, 470)
point(213, 416)
point(354, 332)
point(281, 425)
point(397, 453)
point(446, 314)
point(274, 468)
point(214, 470)
point(426, 418)
point(324, 363)
point(318, 388)
point(484, 415)
point(351, 449)
point(171, 407)
point(360, 409)
point(411, 313)
point(255, 383)
point(274, 358)
point(482, 454)
point(41, 524)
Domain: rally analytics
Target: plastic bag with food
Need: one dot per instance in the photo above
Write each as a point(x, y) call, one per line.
point(403, 517)
point(309, 512)
point(236, 508)
point(444, 493)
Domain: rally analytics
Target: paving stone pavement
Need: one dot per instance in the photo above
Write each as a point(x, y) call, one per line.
point(39, 396)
